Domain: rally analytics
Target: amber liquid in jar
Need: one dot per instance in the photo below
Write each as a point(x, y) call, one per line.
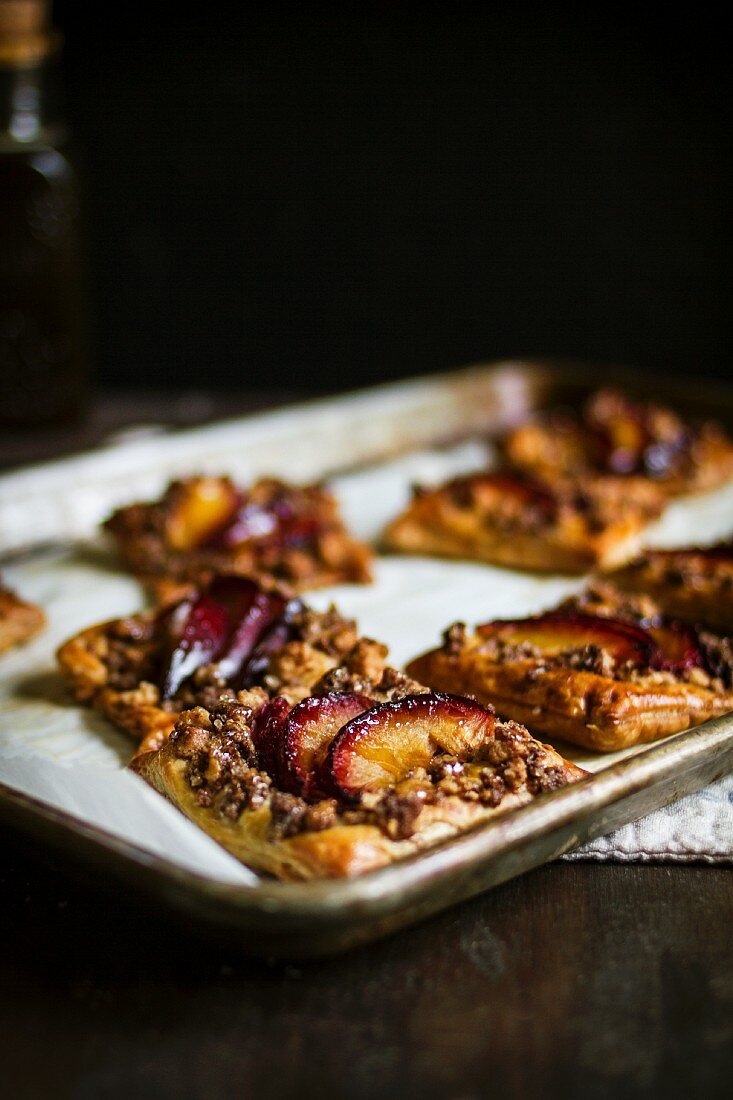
point(42, 372)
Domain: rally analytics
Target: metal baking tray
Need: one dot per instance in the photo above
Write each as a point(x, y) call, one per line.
point(61, 503)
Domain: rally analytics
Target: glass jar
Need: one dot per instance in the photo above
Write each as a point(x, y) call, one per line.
point(42, 353)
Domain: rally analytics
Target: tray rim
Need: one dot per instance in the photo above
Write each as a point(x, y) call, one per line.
point(650, 764)
point(312, 919)
point(431, 880)
point(143, 465)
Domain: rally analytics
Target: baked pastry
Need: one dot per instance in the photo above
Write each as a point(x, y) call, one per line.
point(602, 670)
point(270, 531)
point(615, 434)
point(143, 670)
point(19, 621)
point(369, 769)
point(694, 583)
point(516, 520)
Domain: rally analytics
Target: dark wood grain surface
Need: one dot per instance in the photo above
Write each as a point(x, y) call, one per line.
point(577, 980)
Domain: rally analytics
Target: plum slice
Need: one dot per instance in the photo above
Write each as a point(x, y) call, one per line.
point(382, 746)
point(200, 507)
point(310, 728)
point(222, 624)
point(252, 612)
point(677, 647)
point(276, 522)
point(279, 634)
point(250, 522)
point(267, 735)
point(558, 631)
point(199, 628)
point(621, 441)
point(636, 436)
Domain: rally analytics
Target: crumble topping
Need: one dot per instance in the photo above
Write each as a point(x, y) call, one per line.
point(719, 657)
point(709, 664)
point(455, 638)
point(133, 651)
point(204, 689)
point(220, 757)
point(322, 640)
point(511, 501)
point(223, 770)
point(365, 672)
point(591, 658)
point(273, 530)
point(221, 767)
point(699, 568)
point(130, 652)
point(586, 658)
point(292, 815)
point(608, 601)
point(516, 502)
point(617, 435)
point(600, 499)
point(327, 630)
point(639, 437)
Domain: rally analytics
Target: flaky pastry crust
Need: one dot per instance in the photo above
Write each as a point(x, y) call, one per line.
point(582, 691)
point(694, 584)
point(512, 520)
point(19, 621)
point(341, 851)
point(84, 662)
point(581, 707)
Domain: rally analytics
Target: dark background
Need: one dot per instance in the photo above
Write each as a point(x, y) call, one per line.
point(313, 197)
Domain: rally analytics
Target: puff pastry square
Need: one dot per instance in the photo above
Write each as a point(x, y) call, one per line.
point(614, 434)
point(601, 671)
point(516, 520)
point(367, 770)
point(271, 531)
point(143, 670)
point(19, 621)
point(693, 583)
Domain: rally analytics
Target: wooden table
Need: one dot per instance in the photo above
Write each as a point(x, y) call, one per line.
point(577, 980)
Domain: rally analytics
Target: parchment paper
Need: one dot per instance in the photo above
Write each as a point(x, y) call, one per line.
point(74, 760)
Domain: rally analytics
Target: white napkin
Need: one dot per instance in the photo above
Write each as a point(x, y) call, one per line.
point(697, 828)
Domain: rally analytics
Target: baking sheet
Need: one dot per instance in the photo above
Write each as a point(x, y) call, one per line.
point(73, 760)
